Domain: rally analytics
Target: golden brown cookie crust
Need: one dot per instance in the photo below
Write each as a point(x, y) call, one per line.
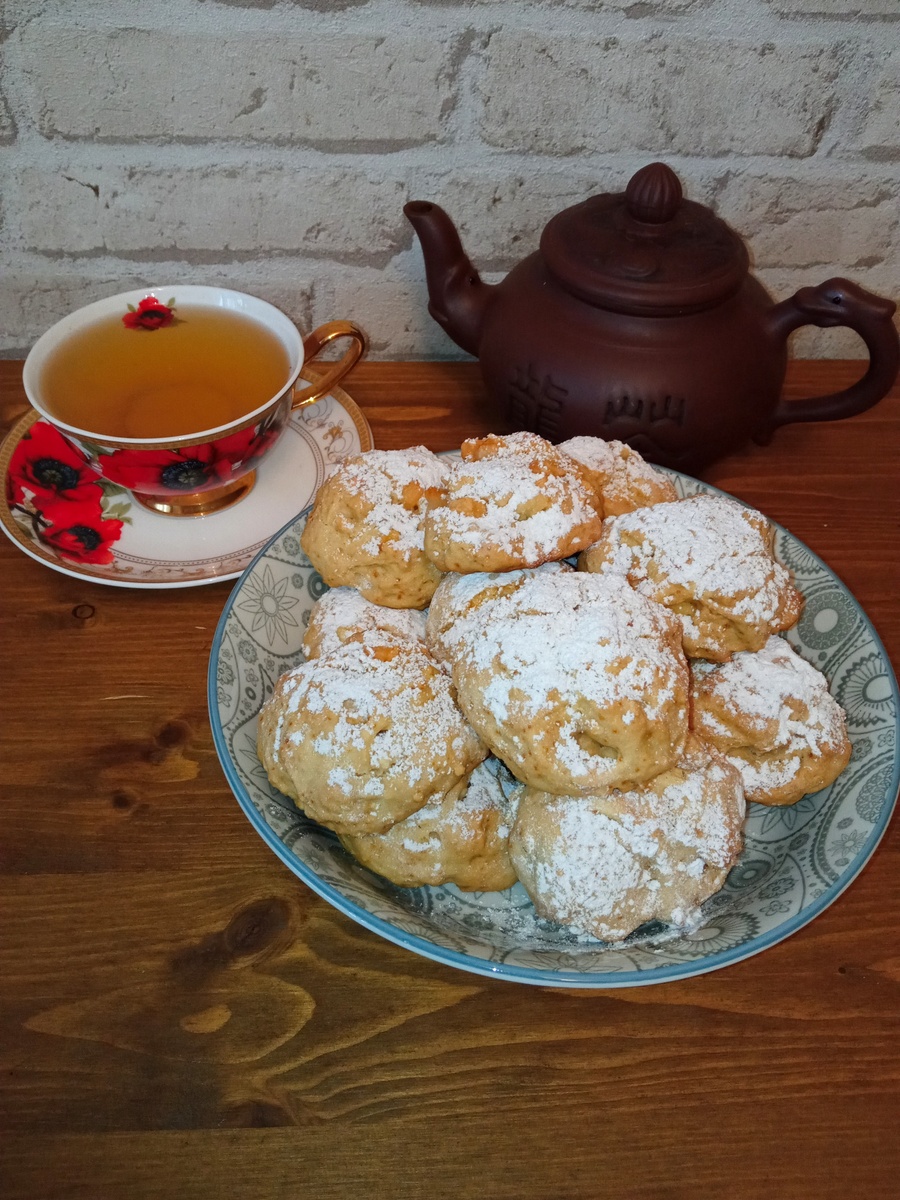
point(610, 862)
point(710, 561)
point(366, 527)
point(364, 736)
point(461, 838)
point(771, 714)
point(622, 480)
point(513, 501)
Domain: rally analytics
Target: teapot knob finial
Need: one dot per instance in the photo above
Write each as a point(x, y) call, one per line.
point(653, 194)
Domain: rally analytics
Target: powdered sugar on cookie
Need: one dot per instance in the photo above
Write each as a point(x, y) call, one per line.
point(461, 837)
point(573, 681)
point(699, 804)
point(622, 479)
point(366, 527)
point(367, 734)
point(710, 560)
point(772, 715)
point(512, 502)
point(395, 485)
point(343, 615)
point(461, 600)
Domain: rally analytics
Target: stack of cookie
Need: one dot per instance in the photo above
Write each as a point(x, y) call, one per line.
point(537, 663)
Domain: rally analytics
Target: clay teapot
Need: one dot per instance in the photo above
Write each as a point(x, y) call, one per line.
point(638, 319)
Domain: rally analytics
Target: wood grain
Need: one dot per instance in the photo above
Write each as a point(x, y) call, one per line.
point(182, 1018)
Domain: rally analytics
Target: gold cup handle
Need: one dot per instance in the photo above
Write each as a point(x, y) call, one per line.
point(314, 343)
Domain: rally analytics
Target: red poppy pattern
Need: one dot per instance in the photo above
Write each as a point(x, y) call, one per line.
point(79, 531)
point(150, 314)
point(49, 467)
point(191, 468)
point(50, 483)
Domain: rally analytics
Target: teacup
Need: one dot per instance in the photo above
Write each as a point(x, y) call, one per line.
point(148, 386)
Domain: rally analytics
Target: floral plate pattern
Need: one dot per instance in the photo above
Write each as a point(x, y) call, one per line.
point(797, 860)
point(58, 511)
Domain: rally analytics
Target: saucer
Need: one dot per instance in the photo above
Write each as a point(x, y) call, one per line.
point(123, 544)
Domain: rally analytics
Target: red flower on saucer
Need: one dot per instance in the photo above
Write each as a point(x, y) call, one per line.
point(189, 469)
point(150, 314)
point(49, 467)
point(53, 493)
point(77, 530)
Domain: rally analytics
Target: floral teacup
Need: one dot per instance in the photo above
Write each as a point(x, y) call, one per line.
point(209, 468)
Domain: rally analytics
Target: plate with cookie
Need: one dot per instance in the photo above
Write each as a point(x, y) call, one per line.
point(553, 715)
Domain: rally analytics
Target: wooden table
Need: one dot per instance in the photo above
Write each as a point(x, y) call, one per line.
point(182, 1018)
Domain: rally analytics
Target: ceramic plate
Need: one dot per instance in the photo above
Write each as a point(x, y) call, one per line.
point(115, 541)
point(797, 860)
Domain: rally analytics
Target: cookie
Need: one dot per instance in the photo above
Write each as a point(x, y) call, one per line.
point(343, 615)
point(773, 717)
point(710, 561)
point(366, 527)
point(460, 599)
point(362, 737)
point(622, 480)
point(511, 502)
point(608, 863)
point(575, 681)
point(461, 838)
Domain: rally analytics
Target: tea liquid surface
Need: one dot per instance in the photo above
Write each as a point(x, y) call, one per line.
point(209, 367)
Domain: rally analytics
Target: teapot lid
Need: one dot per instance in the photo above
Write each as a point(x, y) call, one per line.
point(646, 250)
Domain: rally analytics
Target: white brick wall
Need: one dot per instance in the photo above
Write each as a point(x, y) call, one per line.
point(692, 96)
point(380, 92)
point(271, 144)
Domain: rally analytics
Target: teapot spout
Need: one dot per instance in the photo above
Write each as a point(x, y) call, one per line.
point(457, 298)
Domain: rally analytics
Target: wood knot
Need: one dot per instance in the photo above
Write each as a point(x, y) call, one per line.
point(174, 733)
point(83, 612)
point(257, 927)
point(254, 1114)
point(263, 925)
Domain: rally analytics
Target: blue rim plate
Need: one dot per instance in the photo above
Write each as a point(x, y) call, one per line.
point(796, 862)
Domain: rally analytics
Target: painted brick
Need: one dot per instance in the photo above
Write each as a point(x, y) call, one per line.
point(850, 10)
point(636, 9)
point(330, 128)
point(126, 84)
point(342, 214)
point(393, 311)
point(7, 128)
point(880, 137)
point(553, 95)
point(788, 221)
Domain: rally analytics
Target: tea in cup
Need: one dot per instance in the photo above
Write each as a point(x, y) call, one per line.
point(177, 393)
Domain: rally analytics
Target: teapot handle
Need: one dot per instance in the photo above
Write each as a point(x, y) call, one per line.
point(840, 302)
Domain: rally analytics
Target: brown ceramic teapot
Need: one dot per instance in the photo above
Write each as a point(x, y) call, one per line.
point(638, 319)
